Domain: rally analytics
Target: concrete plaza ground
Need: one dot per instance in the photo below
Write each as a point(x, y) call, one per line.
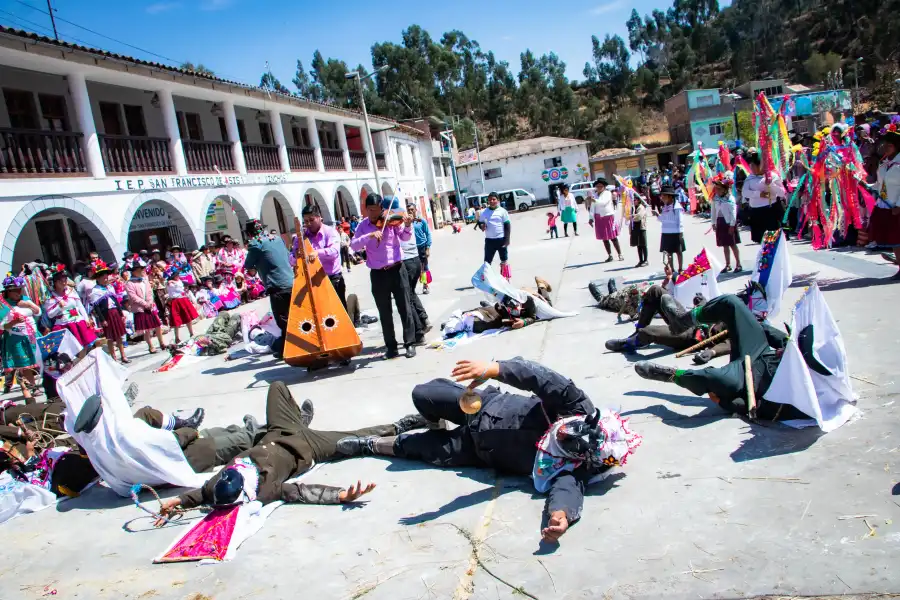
point(692, 514)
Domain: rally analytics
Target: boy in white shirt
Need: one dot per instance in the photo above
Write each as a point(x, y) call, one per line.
point(672, 240)
point(497, 229)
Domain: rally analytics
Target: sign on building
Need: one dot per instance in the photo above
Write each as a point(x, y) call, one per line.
point(150, 216)
point(465, 157)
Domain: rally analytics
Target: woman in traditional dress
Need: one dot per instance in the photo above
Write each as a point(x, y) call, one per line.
point(18, 344)
point(146, 315)
point(64, 309)
point(107, 309)
point(207, 299)
point(603, 219)
point(764, 197)
point(181, 309)
point(255, 287)
point(567, 207)
point(885, 220)
point(723, 214)
point(224, 287)
point(240, 287)
point(183, 264)
point(229, 259)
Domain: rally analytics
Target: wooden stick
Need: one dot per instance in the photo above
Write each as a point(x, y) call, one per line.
point(701, 345)
point(751, 394)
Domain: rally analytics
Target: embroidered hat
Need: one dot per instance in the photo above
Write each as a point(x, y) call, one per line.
point(12, 282)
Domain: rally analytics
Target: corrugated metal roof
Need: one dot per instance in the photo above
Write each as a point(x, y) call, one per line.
point(523, 147)
point(21, 33)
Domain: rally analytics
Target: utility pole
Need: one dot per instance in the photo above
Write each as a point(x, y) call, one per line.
point(478, 155)
point(52, 20)
point(856, 83)
point(362, 101)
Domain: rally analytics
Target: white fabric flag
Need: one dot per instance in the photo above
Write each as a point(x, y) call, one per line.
point(123, 450)
point(826, 398)
point(495, 285)
point(773, 272)
point(704, 283)
point(20, 498)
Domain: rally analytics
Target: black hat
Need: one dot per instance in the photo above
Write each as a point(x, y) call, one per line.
point(667, 190)
point(218, 279)
point(155, 251)
point(202, 248)
point(144, 252)
point(374, 200)
point(228, 488)
point(203, 280)
point(601, 181)
point(89, 415)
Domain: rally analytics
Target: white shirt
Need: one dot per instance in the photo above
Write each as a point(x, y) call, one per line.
point(670, 217)
point(887, 186)
point(603, 205)
point(494, 221)
point(755, 185)
point(725, 207)
point(175, 289)
point(568, 201)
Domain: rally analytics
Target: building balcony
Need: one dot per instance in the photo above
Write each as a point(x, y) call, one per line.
point(36, 153)
point(261, 157)
point(302, 159)
point(124, 154)
point(333, 159)
point(359, 161)
point(206, 157)
point(381, 161)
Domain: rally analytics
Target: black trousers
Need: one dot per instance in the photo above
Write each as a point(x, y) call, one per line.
point(423, 256)
point(495, 246)
point(765, 218)
point(340, 286)
point(435, 400)
point(280, 301)
point(413, 268)
point(390, 282)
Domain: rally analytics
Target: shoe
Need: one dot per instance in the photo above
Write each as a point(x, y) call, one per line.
point(609, 259)
point(889, 256)
point(426, 291)
point(594, 289)
point(621, 258)
point(367, 320)
point(427, 327)
point(654, 372)
point(345, 363)
point(307, 412)
point(411, 351)
point(251, 425)
point(727, 269)
point(871, 245)
point(703, 357)
point(640, 264)
point(484, 304)
point(410, 422)
point(542, 283)
point(131, 393)
point(420, 341)
point(192, 422)
point(392, 353)
point(627, 345)
point(355, 445)
point(738, 269)
point(679, 319)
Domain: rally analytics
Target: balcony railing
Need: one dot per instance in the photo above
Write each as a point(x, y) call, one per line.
point(333, 159)
point(32, 152)
point(204, 157)
point(262, 157)
point(381, 161)
point(127, 154)
point(359, 161)
point(302, 159)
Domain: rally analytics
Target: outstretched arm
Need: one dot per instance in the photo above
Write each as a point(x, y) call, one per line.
point(323, 494)
point(564, 504)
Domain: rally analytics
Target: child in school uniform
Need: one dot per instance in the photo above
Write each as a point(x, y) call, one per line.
point(672, 240)
point(639, 231)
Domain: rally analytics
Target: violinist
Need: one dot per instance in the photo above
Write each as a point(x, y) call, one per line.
point(380, 236)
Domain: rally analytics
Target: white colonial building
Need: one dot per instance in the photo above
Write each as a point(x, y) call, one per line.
point(533, 165)
point(105, 152)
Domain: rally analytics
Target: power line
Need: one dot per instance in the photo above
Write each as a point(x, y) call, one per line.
point(25, 23)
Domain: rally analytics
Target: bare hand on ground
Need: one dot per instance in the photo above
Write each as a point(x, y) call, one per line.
point(355, 491)
point(556, 527)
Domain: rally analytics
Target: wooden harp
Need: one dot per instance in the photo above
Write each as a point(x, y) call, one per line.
point(319, 330)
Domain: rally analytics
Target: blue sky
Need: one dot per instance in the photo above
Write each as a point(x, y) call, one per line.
point(235, 38)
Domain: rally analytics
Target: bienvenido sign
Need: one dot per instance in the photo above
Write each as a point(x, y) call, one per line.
point(195, 181)
point(150, 216)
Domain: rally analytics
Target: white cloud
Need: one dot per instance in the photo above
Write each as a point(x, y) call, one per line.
point(602, 9)
point(161, 7)
point(216, 4)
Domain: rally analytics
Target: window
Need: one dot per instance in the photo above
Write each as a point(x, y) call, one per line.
point(242, 131)
point(521, 193)
point(279, 216)
point(401, 166)
point(112, 120)
point(493, 173)
point(556, 161)
point(134, 120)
point(436, 167)
point(415, 160)
point(189, 126)
point(265, 134)
point(773, 91)
point(716, 129)
point(223, 129)
point(53, 111)
point(301, 137)
point(20, 106)
point(705, 100)
point(445, 166)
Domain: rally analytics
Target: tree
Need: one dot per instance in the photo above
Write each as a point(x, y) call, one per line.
point(611, 66)
point(199, 69)
point(302, 82)
point(270, 82)
point(746, 132)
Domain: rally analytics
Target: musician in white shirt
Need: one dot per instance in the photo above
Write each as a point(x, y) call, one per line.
point(885, 220)
point(764, 193)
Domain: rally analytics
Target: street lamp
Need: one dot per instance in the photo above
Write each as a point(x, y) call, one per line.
point(362, 100)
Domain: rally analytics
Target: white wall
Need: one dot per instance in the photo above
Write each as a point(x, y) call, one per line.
point(38, 83)
point(99, 92)
point(523, 172)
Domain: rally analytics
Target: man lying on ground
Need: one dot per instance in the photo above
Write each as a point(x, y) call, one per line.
point(289, 448)
point(575, 441)
point(507, 313)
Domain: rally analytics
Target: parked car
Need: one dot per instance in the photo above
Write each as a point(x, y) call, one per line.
point(581, 191)
point(477, 201)
point(516, 199)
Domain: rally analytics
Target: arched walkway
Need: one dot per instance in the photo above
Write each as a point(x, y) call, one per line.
point(363, 193)
point(276, 213)
point(314, 196)
point(225, 216)
point(158, 221)
point(344, 203)
point(56, 228)
point(386, 189)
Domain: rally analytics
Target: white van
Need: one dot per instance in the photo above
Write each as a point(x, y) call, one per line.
point(516, 199)
point(581, 191)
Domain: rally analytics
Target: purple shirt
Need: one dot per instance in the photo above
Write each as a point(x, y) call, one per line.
point(388, 251)
point(327, 243)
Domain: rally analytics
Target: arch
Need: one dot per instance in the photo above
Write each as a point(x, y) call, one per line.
point(277, 213)
point(344, 203)
point(183, 232)
point(228, 219)
point(313, 195)
point(364, 191)
point(386, 189)
point(86, 219)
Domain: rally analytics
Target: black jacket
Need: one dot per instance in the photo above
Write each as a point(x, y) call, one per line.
point(509, 426)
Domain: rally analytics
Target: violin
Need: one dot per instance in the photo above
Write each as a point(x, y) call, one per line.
point(393, 220)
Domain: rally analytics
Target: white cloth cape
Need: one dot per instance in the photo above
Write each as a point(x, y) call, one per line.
point(20, 498)
point(780, 278)
point(704, 284)
point(827, 398)
point(122, 449)
point(496, 286)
